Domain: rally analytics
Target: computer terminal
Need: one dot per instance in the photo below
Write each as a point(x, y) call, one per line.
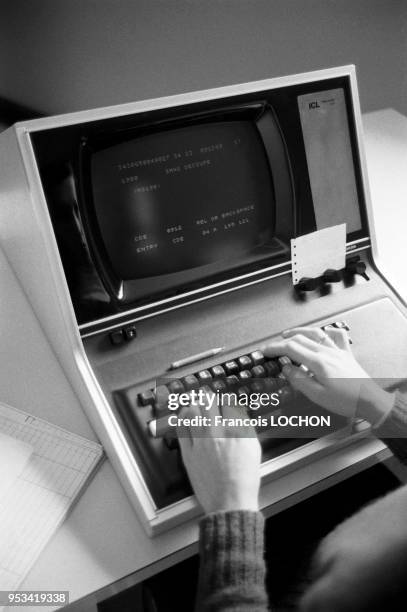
point(152, 232)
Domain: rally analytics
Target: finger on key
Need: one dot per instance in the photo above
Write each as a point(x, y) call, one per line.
point(313, 345)
point(339, 337)
point(300, 380)
point(312, 333)
point(210, 403)
point(296, 352)
point(187, 412)
point(233, 411)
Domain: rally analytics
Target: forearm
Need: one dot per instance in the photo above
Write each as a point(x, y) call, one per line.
point(393, 430)
point(387, 413)
point(232, 569)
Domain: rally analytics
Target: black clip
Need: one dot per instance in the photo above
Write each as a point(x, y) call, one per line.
point(353, 266)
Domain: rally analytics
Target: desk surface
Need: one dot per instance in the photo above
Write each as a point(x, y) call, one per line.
point(102, 541)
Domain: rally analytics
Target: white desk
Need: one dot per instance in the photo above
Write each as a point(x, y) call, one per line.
point(102, 543)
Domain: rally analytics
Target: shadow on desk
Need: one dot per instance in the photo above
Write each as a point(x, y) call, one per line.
point(174, 589)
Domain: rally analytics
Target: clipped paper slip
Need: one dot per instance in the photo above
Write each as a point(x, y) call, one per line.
point(314, 253)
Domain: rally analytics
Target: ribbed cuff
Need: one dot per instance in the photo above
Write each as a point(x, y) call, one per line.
point(232, 549)
point(393, 431)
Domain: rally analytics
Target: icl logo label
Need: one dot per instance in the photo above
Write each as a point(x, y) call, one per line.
point(314, 105)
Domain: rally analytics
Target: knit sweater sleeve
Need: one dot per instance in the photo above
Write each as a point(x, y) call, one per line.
point(393, 430)
point(232, 568)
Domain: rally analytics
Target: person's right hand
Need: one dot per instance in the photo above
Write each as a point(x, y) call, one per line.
point(332, 377)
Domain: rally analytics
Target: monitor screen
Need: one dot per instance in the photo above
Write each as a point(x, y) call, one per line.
point(184, 198)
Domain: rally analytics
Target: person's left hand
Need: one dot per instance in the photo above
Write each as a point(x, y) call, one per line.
point(362, 565)
point(223, 463)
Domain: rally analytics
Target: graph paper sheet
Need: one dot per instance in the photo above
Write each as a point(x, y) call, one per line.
point(39, 499)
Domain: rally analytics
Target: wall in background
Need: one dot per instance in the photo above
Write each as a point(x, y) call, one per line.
point(65, 55)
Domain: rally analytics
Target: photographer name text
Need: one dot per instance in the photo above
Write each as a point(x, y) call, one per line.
point(273, 420)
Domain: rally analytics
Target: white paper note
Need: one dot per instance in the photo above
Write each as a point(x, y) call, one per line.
point(318, 251)
point(59, 466)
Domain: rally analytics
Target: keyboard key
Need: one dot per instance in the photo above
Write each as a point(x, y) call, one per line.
point(341, 325)
point(190, 382)
point(258, 371)
point(204, 376)
point(161, 401)
point(243, 391)
point(218, 385)
point(257, 386)
point(175, 386)
point(146, 398)
point(206, 390)
point(257, 357)
point(272, 368)
point(218, 371)
point(245, 374)
point(161, 394)
point(281, 380)
point(158, 427)
point(231, 367)
point(284, 360)
point(270, 384)
point(245, 362)
point(232, 381)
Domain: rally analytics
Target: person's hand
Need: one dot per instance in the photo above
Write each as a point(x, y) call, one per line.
point(331, 377)
point(361, 565)
point(225, 470)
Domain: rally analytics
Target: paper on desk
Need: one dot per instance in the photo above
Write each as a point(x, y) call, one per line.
point(37, 502)
point(14, 456)
point(318, 251)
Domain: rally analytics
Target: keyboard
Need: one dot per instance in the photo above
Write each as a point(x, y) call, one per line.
point(156, 448)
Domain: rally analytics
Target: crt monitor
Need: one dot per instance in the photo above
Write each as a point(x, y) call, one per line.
point(155, 208)
point(183, 200)
point(158, 206)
